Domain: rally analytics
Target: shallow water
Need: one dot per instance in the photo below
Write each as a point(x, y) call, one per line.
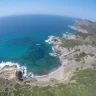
point(22, 40)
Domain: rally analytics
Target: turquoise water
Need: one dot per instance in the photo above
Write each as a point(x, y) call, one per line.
point(20, 34)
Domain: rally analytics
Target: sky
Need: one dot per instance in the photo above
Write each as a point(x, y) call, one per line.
point(85, 9)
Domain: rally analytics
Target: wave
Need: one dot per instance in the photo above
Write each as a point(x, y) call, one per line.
point(26, 74)
point(38, 44)
point(49, 39)
point(3, 64)
point(30, 74)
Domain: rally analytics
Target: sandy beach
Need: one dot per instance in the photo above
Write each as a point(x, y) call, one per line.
point(58, 74)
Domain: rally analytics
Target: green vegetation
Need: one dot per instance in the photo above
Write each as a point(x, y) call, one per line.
point(82, 39)
point(83, 83)
point(80, 56)
point(17, 86)
point(90, 38)
point(90, 54)
point(70, 43)
point(83, 35)
point(93, 40)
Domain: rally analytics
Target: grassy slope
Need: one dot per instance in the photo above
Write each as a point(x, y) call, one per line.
point(83, 83)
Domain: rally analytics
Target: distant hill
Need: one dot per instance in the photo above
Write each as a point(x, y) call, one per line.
point(85, 26)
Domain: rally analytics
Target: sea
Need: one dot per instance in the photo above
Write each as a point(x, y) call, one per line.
point(22, 40)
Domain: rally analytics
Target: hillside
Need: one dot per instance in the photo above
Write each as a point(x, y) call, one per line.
point(85, 26)
point(83, 83)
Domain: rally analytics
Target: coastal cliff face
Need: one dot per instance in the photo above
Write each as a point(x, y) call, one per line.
point(10, 72)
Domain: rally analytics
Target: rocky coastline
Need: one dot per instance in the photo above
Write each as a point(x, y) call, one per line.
point(74, 51)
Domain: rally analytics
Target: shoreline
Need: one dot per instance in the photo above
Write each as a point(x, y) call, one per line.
point(10, 64)
point(56, 74)
point(65, 70)
point(26, 75)
point(53, 74)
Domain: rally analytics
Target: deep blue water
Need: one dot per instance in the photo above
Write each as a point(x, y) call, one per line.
point(20, 34)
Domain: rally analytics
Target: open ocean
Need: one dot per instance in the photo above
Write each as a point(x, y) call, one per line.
point(22, 40)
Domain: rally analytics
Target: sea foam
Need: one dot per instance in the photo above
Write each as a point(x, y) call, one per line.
point(49, 39)
point(2, 64)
